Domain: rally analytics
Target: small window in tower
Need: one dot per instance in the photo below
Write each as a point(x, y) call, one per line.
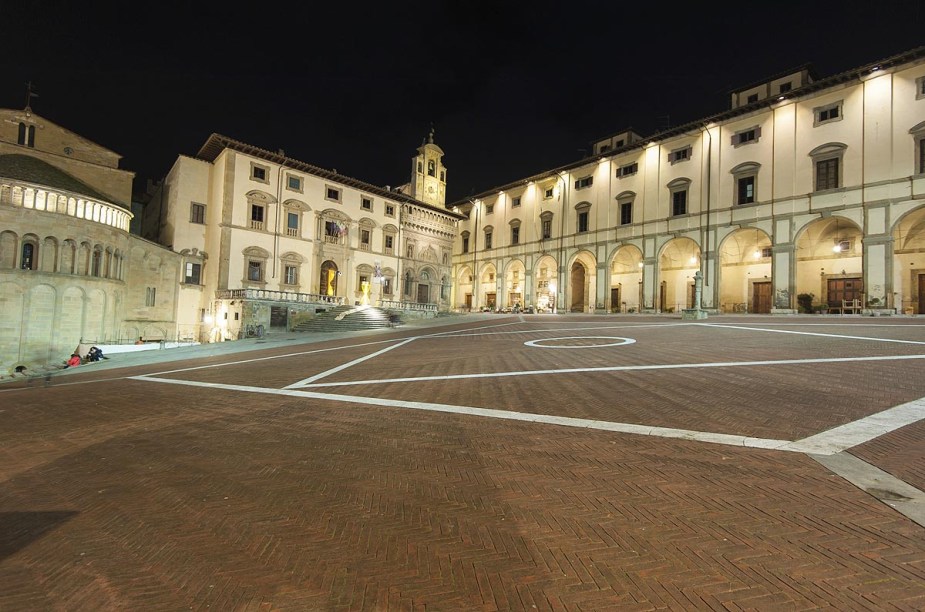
point(442, 176)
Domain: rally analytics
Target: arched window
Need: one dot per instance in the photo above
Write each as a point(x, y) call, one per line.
point(96, 262)
point(29, 258)
point(431, 168)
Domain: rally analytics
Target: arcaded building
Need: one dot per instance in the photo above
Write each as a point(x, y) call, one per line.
point(806, 190)
point(70, 271)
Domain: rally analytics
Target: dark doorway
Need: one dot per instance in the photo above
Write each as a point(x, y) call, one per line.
point(921, 293)
point(615, 299)
point(468, 301)
point(662, 298)
point(423, 294)
point(279, 317)
point(578, 287)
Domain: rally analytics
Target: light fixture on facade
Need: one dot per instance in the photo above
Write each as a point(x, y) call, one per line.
point(639, 265)
point(757, 253)
point(693, 259)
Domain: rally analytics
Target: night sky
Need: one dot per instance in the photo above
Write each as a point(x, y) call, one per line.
point(511, 89)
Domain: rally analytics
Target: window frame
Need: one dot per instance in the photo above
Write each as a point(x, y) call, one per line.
point(681, 154)
point(198, 219)
point(829, 152)
point(628, 169)
point(299, 181)
point(192, 279)
point(263, 168)
point(363, 200)
point(747, 136)
point(515, 202)
point(328, 189)
point(583, 218)
point(744, 171)
point(826, 109)
point(679, 188)
point(584, 182)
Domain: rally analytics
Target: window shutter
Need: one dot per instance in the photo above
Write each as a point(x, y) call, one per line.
point(757, 132)
point(735, 139)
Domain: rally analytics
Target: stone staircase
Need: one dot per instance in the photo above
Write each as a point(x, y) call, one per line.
point(349, 318)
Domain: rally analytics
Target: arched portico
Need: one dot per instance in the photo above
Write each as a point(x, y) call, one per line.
point(745, 272)
point(908, 264)
point(545, 273)
point(678, 262)
point(582, 285)
point(829, 265)
point(488, 287)
point(625, 279)
point(514, 280)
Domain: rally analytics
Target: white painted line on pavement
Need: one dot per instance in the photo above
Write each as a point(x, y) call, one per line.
point(630, 428)
point(788, 331)
point(636, 368)
point(851, 434)
point(349, 364)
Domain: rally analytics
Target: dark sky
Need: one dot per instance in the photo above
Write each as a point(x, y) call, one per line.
point(512, 89)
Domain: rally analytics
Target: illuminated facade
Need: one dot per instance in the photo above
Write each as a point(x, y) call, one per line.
point(805, 186)
point(268, 240)
point(70, 271)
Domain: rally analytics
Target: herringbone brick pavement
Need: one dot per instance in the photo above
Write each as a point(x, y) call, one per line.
point(135, 495)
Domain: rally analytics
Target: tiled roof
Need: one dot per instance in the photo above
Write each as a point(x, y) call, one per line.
point(33, 170)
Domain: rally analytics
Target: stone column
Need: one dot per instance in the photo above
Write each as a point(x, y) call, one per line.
point(878, 271)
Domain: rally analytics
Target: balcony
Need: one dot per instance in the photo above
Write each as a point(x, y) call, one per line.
point(256, 225)
point(278, 296)
point(292, 231)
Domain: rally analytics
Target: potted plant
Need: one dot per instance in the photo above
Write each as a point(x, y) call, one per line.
point(805, 302)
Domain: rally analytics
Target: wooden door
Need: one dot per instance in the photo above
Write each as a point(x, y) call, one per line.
point(844, 289)
point(423, 294)
point(761, 298)
point(921, 293)
point(615, 305)
point(468, 301)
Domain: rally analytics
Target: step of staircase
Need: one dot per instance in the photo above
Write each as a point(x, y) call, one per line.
point(349, 318)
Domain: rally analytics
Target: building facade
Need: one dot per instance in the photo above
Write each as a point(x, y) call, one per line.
point(70, 271)
point(267, 240)
point(806, 190)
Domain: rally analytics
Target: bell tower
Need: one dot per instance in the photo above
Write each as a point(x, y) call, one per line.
point(428, 174)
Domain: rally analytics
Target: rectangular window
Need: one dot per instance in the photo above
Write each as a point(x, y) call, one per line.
point(292, 224)
point(746, 190)
point(294, 183)
point(828, 113)
point(584, 182)
point(192, 273)
point(332, 193)
point(487, 240)
point(387, 286)
point(680, 155)
point(256, 217)
point(465, 244)
point(626, 213)
point(515, 235)
point(766, 252)
point(827, 174)
point(366, 204)
point(254, 271)
point(627, 170)
point(515, 202)
point(785, 87)
point(583, 221)
point(489, 208)
point(547, 228)
point(259, 173)
point(548, 193)
point(364, 239)
point(389, 210)
point(746, 136)
point(389, 241)
point(197, 213)
point(292, 275)
point(150, 296)
point(752, 98)
point(679, 203)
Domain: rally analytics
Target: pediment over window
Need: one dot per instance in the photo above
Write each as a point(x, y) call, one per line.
point(255, 251)
point(261, 197)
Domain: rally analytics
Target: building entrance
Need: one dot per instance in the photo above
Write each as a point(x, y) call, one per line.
point(761, 298)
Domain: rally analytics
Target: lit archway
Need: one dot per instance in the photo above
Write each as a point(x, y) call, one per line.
point(829, 265)
point(582, 285)
point(908, 266)
point(514, 280)
point(545, 275)
point(625, 279)
point(488, 288)
point(745, 272)
point(677, 264)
